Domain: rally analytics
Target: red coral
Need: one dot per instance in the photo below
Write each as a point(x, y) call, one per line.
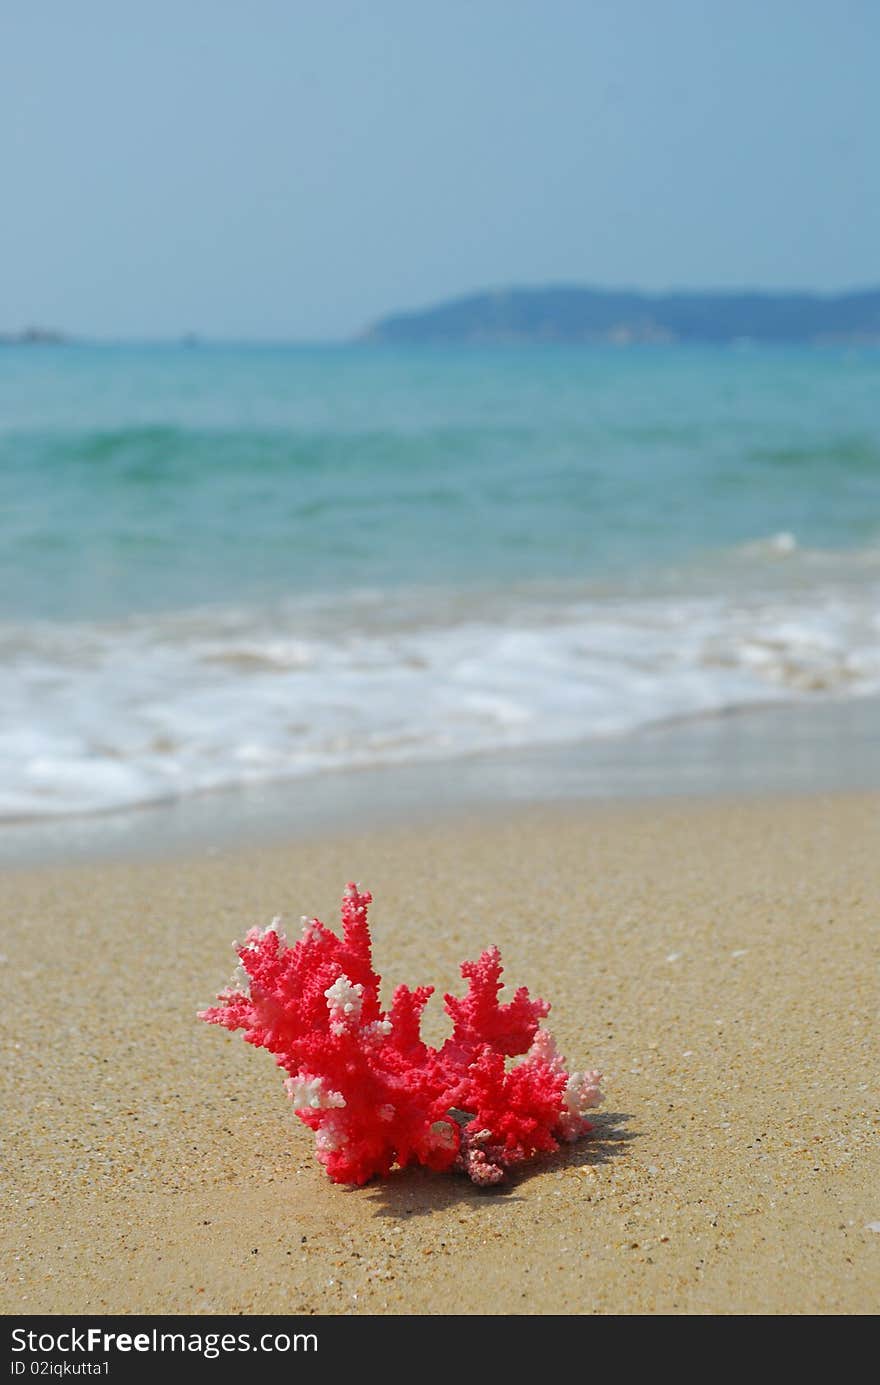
point(374, 1093)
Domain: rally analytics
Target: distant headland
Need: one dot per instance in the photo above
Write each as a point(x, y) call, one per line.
point(579, 314)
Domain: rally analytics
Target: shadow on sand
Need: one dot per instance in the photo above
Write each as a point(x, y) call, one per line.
point(416, 1192)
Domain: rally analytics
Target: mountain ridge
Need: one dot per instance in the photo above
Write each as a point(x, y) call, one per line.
point(580, 313)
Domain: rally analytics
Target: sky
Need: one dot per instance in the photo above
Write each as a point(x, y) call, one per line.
point(297, 168)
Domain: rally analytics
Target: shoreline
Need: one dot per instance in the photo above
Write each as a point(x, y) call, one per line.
point(713, 957)
point(777, 749)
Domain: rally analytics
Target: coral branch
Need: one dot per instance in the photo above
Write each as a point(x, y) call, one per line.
point(364, 1080)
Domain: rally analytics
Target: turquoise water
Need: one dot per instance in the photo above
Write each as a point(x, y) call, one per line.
point(160, 478)
point(222, 565)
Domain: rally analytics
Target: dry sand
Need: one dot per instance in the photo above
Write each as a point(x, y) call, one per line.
point(717, 960)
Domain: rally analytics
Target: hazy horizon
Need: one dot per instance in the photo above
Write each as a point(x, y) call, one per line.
point(196, 337)
point(293, 174)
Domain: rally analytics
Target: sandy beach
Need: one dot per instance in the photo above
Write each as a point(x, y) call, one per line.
point(715, 959)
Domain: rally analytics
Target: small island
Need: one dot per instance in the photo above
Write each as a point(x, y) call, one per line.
point(33, 336)
point(622, 317)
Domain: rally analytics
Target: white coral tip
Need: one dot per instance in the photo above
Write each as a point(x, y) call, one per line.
point(544, 1050)
point(379, 1029)
point(309, 1094)
point(276, 927)
point(344, 1000)
point(582, 1092)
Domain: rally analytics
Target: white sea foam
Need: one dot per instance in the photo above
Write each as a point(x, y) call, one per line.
point(99, 717)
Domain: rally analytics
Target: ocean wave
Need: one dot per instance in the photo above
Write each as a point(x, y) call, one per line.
point(104, 716)
point(855, 453)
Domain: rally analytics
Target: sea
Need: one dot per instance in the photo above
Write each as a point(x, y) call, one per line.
point(230, 566)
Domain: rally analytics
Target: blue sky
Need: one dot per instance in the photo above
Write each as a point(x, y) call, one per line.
point(295, 168)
